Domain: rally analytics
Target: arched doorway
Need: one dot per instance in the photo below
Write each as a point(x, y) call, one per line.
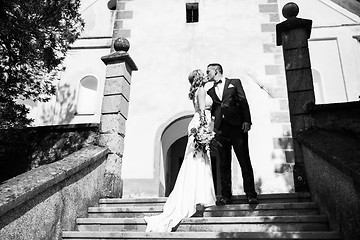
point(173, 144)
point(174, 158)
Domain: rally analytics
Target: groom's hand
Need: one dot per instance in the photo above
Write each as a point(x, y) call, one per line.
point(246, 127)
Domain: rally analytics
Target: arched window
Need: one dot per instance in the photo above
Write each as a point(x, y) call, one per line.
point(87, 96)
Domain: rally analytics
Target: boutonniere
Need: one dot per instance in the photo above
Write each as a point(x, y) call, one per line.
point(230, 86)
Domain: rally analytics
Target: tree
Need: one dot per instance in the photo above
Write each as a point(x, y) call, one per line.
point(34, 38)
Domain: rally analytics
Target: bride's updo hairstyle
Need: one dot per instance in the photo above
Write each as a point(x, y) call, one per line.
point(196, 80)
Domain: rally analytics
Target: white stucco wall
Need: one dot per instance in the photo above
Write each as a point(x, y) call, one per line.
point(166, 48)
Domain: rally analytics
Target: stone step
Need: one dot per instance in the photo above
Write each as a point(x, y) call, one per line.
point(74, 235)
point(237, 199)
point(213, 224)
point(233, 210)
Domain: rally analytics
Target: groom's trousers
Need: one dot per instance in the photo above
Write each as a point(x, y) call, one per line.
point(233, 136)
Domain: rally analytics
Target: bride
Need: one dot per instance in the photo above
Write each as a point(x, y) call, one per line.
point(194, 184)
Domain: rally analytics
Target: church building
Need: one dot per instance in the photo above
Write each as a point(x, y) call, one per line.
point(170, 38)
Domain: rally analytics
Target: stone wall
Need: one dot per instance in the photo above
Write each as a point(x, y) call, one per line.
point(40, 203)
point(337, 192)
point(332, 163)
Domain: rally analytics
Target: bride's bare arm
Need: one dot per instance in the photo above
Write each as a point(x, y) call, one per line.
point(200, 95)
point(201, 98)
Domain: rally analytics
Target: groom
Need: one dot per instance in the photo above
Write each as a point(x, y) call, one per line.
point(232, 123)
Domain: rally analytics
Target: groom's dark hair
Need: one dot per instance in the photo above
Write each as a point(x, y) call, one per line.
point(217, 66)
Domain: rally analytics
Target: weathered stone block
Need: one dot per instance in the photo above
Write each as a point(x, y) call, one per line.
point(301, 102)
point(274, 69)
point(113, 123)
point(283, 143)
point(300, 179)
point(297, 59)
point(281, 81)
point(286, 129)
point(300, 123)
point(278, 92)
point(117, 85)
point(283, 168)
point(274, 17)
point(121, 6)
point(294, 38)
point(268, 27)
point(279, 117)
point(284, 104)
point(299, 80)
point(118, 24)
point(113, 183)
point(267, 8)
point(271, 48)
point(289, 156)
point(121, 33)
point(113, 165)
point(118, 69)
point(115, 104)
point(114, 142)
point(113, 186)
point(124, 15)
point(278, 58)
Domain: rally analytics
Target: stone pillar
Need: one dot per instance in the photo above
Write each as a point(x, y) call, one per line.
point(293, 35)
point(114, 112)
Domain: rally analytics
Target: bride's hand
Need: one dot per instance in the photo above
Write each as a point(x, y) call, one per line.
point(211, 124)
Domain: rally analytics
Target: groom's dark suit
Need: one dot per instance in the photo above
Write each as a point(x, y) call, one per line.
point(230, 113)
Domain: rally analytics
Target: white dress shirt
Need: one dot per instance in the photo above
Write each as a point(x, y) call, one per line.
point(219, 89)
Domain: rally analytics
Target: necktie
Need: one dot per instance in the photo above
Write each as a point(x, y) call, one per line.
point(218, 82)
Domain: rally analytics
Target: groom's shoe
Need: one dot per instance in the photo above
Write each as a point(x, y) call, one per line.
point(223, 201)
point(200, 209)
point(252, 200)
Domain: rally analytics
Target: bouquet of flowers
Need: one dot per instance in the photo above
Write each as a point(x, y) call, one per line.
point(202, 138)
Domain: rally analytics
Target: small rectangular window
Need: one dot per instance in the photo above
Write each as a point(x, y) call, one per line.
point(192, 12)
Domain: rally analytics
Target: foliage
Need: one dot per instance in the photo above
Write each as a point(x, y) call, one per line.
point(34, 38)
point(203, 134)
point(202, 139)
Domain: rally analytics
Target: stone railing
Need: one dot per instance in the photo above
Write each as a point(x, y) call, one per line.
point(326, 137)
point(338, 116)
point(42, 202)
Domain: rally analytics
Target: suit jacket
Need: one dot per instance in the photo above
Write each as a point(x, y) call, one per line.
point(233, 107)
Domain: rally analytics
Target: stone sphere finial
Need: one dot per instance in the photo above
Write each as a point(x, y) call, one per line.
point(290, 10)
point(121, 44)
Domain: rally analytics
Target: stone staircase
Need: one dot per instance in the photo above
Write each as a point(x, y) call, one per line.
point(277, 216)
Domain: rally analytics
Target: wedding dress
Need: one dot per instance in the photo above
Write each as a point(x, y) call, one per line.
point(194, 183)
